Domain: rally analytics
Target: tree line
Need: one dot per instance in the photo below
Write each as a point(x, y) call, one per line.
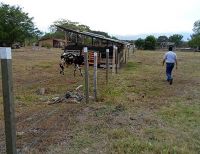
point(17, 26)
point(151, 42)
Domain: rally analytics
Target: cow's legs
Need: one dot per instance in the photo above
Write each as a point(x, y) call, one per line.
point(75, 67)
point(61, 69)
point(79, 70)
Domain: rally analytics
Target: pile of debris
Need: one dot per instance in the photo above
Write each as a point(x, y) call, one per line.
point(69, 97)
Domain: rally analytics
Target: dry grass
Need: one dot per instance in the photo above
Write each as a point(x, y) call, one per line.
point(137, 112)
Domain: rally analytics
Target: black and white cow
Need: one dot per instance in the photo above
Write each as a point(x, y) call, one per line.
point(69, 59)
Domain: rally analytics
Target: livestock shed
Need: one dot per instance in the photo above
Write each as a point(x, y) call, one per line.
point(52, 42)
point(76, 41)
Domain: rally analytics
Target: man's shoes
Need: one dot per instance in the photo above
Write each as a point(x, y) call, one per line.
point(170, 81)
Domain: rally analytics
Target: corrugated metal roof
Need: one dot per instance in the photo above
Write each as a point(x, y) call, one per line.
point(92, 35)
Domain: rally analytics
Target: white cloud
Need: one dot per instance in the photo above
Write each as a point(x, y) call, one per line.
point(116, 16)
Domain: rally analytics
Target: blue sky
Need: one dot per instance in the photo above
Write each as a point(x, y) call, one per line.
point(117, 17)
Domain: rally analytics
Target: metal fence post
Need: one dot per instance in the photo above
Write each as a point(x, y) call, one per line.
point(8, 102)
point(85, 49)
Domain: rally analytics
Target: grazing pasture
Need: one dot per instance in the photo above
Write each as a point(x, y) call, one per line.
point(136, 112)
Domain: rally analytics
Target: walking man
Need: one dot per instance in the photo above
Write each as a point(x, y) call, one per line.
point(170, 59)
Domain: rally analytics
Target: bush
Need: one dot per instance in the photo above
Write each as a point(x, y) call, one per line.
point(139, 43)
point(150, 43)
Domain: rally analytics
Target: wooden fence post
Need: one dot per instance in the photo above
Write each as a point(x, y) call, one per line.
point(107, 64)
point(95, 76)
point(128, 51)
point(116, 60)
point(8, 102)
point(85, 49)
point(133, 48)
point(113, 60)
point(125, 55)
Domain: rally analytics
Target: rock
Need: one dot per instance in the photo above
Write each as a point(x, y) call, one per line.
point(43, 99)
point(120, 108)
point(41, 91)
point(20, 133)
point(55, 98)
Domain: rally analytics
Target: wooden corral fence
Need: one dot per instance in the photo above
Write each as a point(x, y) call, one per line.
point(110, 53)
point(113, 63)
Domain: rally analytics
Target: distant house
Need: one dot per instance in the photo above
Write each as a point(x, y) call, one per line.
point(170, 44)
point(166, 44)
point(51, 42)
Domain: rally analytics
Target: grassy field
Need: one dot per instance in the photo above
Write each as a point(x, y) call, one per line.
point(137, 112)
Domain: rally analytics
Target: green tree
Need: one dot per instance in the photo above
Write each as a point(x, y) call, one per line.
point(162, 41)
point(176, 38)
point(195, 41)
point(150, 43)
point(139, 43)
point(196, 27)
point(15, 25)
point(69, 24)
point(57, 33)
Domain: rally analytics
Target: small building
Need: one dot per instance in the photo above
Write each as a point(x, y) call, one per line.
point(52, 42)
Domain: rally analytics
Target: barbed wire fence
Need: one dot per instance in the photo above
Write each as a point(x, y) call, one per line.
point(34, 120)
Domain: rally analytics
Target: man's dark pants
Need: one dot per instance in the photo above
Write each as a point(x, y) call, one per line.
point(169, 68)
